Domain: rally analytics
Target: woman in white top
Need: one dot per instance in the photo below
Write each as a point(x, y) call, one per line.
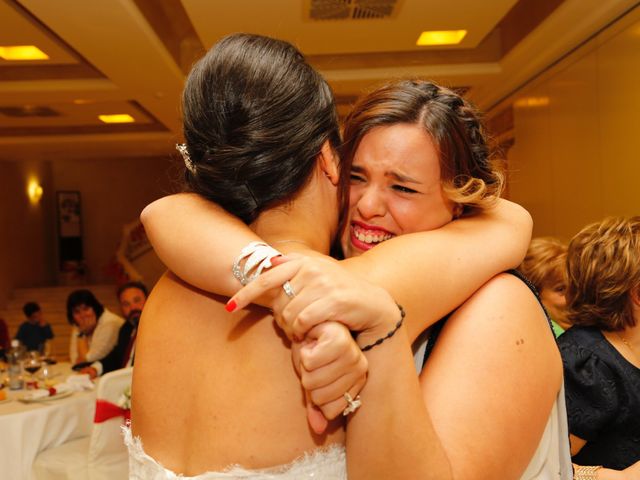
point(210, 389)
point(95, 329)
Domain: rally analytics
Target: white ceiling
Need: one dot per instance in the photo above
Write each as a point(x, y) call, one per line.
point(108, 57)
point(289, 20)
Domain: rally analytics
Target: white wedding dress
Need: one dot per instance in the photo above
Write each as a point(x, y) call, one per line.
point(328, 463)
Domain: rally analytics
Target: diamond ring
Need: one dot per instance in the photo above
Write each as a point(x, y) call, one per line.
point(352, 404)
point(288, 289)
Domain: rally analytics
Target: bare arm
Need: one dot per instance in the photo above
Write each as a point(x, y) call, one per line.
point(197, 240)
point(83, 348)
point(391, 435)
point(467, 418)
point(430, 273)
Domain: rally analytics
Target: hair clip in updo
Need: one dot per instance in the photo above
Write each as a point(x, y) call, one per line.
point(182, 148)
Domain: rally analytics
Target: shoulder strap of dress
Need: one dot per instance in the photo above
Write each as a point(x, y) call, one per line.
point(534, 290)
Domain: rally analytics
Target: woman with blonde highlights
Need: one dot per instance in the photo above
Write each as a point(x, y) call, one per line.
point(545, 267)
point(601, 352)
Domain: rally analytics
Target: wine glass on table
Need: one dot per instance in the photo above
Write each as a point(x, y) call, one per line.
point(45, 353)
point(32, 364)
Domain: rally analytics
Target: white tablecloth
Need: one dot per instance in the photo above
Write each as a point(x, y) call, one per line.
point(28, 429)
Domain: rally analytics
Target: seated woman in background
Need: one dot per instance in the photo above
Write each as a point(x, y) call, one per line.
point(95, 329)
point(601, 352)
point(544, 266)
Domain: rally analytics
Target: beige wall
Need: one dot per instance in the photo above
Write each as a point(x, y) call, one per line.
point(575, 158)
point(113, 193)
point(26, 230)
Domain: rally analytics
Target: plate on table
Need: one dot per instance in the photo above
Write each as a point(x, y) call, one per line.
point(38, 399)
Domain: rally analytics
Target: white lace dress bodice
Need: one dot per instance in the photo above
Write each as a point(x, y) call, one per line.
point(328, 463)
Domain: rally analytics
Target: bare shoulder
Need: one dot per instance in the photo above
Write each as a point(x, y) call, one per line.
point(508, 303)
point(504, 321)
point(492, 380)
point(506, 290)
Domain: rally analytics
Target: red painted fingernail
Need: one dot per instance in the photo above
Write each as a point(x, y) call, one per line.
point(231, 305)
point(279, 260)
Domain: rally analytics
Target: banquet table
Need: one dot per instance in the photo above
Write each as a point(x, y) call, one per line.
point(26, 429)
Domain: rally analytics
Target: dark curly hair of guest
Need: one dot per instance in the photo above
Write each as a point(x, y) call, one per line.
point(255, 118)
point(82, 297)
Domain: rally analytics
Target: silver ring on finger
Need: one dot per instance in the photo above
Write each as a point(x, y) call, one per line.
point(288, 289)
point(352, 404)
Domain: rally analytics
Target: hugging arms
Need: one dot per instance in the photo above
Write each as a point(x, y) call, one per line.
point(473, 401)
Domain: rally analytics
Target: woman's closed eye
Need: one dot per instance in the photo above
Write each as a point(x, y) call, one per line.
point(403, 189)
point(357, 178)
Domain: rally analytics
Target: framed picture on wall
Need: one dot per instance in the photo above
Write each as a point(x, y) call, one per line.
point(69, 231)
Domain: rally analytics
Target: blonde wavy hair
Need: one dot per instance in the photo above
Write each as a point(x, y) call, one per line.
point(603, 267)
point(545, 262)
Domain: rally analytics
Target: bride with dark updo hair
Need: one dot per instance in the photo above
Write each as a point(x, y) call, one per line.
point(215, 391)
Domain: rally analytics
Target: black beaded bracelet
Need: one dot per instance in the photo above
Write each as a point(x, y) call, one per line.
point(388, 335)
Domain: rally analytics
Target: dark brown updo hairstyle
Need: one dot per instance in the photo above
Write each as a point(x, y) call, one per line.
point(255, 118)
point(469, 177)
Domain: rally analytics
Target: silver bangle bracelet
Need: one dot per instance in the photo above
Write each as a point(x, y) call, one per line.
point(257, 257)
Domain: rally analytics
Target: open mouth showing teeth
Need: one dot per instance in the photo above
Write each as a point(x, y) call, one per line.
point(371, 237)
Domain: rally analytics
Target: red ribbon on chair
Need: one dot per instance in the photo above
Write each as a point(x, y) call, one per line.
point(107, 410)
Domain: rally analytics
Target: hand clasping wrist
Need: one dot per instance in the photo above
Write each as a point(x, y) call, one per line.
point(389, 333)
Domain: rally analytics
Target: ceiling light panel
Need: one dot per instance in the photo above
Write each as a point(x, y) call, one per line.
point(116, 118)
point(441, 37)
point(22, 53)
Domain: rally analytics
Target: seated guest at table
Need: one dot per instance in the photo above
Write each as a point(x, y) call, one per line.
point(132, 297)
point(601, 352)
point(5, 340)
point(545, 267)
point(34, 331)
point(95, 329)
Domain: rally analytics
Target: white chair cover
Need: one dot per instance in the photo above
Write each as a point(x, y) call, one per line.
point(103, 455)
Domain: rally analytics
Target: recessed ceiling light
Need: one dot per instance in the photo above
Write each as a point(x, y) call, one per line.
point(441, 37)
point(532, 102)
point(22, 52)
point(117, 118)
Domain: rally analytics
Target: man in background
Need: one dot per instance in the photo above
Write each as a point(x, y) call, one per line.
point(132, 297)
point(35, 331)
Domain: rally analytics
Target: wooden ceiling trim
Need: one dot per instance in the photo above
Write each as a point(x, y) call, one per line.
point(489, 50)
point(501, 122)
point(523, 17)
point(83, 69)
point(12, 73)
point(81, 129)
point(147, 113)
point(172, 25)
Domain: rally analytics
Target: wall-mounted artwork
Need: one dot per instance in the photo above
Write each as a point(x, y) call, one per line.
point(69, 231)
